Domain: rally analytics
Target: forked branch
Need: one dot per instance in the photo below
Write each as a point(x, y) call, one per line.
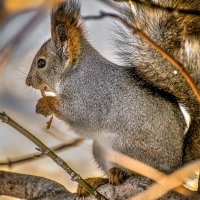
point(48, 152)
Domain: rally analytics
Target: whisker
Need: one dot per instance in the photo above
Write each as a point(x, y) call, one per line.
point(20, 78)
point(17, 70)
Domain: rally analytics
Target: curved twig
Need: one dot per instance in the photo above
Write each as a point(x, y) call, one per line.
point(11, 163)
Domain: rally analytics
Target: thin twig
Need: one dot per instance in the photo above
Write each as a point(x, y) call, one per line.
point(174, 11)
point(48, 152)
point(177, 65)
point(111, 4)
point(27, 158)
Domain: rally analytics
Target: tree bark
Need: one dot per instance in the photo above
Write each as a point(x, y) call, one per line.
point(34, 187)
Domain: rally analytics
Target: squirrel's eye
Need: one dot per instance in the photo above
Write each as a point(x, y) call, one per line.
point(41, 63)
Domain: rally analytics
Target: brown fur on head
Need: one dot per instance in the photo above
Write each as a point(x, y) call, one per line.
point(62, 51)
point(66, 30)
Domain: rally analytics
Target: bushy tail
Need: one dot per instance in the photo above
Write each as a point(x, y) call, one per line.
point(180, 36)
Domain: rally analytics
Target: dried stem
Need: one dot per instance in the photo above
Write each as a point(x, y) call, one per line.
point(48, 152)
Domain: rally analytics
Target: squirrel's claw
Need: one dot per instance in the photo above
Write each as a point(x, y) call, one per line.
point(117, 176)
point(93, 182)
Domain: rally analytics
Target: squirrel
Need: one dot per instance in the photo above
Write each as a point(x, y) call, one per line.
point(131, 108)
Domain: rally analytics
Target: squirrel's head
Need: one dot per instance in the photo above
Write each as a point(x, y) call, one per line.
point(62, 51)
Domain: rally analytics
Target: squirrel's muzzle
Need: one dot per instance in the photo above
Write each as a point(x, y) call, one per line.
point(28, 80)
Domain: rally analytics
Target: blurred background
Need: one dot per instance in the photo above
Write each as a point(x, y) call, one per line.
point(24, 26)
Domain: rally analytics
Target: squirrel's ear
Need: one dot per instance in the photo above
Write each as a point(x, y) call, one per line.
point(66, 31)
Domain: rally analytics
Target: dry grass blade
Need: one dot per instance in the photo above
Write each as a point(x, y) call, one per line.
point(48, 124)
point(140, 168)
point(168, 183)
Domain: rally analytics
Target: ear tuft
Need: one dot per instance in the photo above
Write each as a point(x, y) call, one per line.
point(66, 30)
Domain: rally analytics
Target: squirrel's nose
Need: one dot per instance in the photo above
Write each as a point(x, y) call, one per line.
point(28, 80)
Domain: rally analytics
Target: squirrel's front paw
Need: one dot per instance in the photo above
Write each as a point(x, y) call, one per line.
point(47, 105)
point(93, 182)
point(117, 176)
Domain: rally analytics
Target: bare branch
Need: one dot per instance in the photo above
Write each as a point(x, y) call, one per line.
point(75, 177)
point(11, 163)
point(48, 152)
point(31, 187)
